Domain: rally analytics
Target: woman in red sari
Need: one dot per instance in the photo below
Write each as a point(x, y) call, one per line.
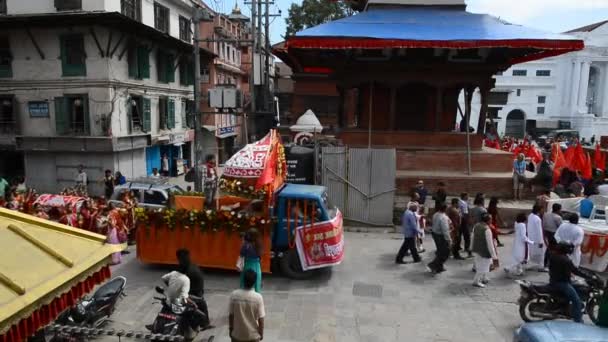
point(496, 221)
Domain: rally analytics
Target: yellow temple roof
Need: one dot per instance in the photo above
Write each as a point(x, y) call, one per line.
point(40, 260)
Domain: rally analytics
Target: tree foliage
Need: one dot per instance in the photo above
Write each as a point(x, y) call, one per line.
point(314, 12)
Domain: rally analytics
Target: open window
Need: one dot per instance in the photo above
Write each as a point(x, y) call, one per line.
point(7, 114)
point(138, 111)
point(166, 113)
point(72, 115)
point(184, 29)
point(186, 71)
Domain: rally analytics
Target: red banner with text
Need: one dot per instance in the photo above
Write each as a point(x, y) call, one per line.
point(321, 244)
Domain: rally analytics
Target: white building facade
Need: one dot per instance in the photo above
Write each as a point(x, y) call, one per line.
point(106, 84)
point(568, 91)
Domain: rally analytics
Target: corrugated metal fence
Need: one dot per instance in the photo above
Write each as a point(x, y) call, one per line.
point(361, 182)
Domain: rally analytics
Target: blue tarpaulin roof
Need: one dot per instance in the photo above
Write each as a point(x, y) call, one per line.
point(411, 27)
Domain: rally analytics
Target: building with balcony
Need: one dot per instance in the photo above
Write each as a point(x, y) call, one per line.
point(224, 38)
point(568, 91)
point(106, 84)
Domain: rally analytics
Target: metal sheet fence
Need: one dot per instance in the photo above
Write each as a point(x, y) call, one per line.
point(361, 182)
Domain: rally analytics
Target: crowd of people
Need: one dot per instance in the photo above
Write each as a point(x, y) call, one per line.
point(474, 229)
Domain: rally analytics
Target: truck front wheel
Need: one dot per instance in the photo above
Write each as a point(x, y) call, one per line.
point(291, 266)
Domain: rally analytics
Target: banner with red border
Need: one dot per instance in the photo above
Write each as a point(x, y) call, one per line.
point(321, 244)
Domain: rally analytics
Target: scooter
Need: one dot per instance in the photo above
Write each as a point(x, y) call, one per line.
point(539, 302)
point(183, 321)
point(91, 312)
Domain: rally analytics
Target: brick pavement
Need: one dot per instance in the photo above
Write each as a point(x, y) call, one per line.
point(367, 298)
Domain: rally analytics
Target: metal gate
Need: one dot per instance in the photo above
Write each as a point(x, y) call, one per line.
point(361, 182)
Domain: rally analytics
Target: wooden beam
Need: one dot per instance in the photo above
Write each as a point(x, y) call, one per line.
point(122, 36)
point(10, 283)
point(177, 61)
point(109, 43)
point(29, 33)
point(124, 50)
point(97, 43)
point(47, 249)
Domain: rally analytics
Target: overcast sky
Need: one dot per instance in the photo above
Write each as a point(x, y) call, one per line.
point(547, 15)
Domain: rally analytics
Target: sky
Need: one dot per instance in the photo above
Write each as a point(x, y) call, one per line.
point(547, 15)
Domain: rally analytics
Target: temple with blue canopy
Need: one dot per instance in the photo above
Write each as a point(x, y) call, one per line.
point(401, 65)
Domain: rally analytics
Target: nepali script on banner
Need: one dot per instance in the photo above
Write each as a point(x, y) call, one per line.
point(321, 244)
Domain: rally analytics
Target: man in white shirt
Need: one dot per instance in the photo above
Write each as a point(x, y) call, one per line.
point(246, 312)
point(570, 232)
point(178, 287)
point(535, 233)
point(81, 178)
point(441, 236)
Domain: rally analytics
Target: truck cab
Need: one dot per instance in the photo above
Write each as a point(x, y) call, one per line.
point(297, 207)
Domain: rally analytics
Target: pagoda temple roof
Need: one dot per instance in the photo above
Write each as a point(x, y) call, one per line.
point(419, 27)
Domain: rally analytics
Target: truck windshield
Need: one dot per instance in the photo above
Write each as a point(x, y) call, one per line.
point(329, 207)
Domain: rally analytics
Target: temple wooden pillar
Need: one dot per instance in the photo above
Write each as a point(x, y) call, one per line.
point(393, 108)
point(438, 107)
point(483, 111)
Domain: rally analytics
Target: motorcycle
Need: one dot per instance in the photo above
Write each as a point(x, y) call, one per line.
point(539, 302)
point(91, 312)
point(171, 320)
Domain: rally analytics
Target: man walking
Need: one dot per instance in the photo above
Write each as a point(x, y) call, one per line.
point(464, 232)
point(441, 236)
point(485, 253)
point(410, 233)
point(535, 233)
point(246, 312)
point(570, 232)
point(440, 195)
point(455, 217)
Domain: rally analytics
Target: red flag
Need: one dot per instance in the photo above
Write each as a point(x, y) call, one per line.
point(270, 169)
point(587, 170)
point(559, 162)
point(569, 155)
point(599, 158)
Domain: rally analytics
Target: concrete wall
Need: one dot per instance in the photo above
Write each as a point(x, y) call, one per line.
point(50, 173)
point(131, 164)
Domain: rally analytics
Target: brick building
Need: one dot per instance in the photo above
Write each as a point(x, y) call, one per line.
point(231, 68)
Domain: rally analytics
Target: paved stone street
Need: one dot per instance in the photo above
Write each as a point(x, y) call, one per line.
point(367, 298)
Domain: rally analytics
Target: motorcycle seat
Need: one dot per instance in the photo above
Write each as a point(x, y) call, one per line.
point(548, 289)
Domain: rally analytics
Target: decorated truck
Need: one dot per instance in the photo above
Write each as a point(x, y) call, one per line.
point(300, 230)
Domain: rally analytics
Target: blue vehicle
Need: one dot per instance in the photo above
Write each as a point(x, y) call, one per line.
point(299, 205)
point(560, 331)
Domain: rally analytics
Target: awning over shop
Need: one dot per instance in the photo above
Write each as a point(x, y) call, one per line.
point(410, 27)
point(45, 268)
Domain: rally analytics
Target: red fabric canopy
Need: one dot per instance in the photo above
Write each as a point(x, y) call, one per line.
point(48, 313)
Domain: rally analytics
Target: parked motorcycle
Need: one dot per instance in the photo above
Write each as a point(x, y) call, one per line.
point(91, 312)
point(183, 321)
point(539, 302)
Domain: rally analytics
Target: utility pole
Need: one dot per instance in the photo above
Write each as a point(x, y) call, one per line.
point(267, 94)
point(198, 16)
point(252, 91)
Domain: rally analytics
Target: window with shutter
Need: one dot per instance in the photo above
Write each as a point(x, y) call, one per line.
point(129, 109)
point(162, 113)
point(73, 58)
point(131, 8)
point(170, 70)
point(143, 62)
point(184, 116)
point(87, 124)
point(161, 18)
point(132, 60)
point(183, 72)
point(62, 116)
point(171, 114)
point(147, 127)
point(6, 58)
point(2, 6)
